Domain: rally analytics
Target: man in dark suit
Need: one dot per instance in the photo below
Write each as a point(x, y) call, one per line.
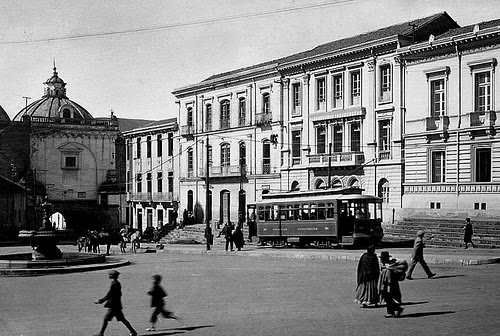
point(113, 301)
point(418, 256)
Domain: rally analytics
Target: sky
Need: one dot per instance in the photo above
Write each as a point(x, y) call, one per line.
point(128, 56)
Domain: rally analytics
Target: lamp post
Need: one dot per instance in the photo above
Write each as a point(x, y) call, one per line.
point(208, 229)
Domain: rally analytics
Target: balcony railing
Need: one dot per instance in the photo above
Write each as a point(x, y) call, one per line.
point(337, 159)
point(187, 130)
point(263, 118)
point(484, 118)
point(163, 197)
point(224, 171)
point(297, 111)
point(384, 155)
point(73, 121)
point(437, 123)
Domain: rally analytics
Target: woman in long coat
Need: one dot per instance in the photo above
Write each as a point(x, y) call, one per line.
point(368, 273)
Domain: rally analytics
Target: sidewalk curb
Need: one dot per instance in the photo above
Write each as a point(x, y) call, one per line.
point(331, 257)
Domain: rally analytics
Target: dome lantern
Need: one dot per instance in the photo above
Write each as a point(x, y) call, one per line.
point(55, 86)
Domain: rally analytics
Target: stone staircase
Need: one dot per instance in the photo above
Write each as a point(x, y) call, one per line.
point(442, 232)
point(191, 233)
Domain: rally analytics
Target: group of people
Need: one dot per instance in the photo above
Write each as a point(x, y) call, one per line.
point(379, 281)
point(233, 236)
point(113, 302)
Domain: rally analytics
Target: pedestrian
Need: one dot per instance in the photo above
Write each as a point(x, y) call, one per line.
point(468, 232)
point(227, 232)
point(238, 239)
point(158, 304)
point(123, 240)
point(113, 301)
point(390, 275)
point(418, 256)
point(367, 278)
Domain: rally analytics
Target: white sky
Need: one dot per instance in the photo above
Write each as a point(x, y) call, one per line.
point(134, 71)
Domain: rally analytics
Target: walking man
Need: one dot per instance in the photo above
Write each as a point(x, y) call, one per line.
point(114, 304)
point(468, 232)
point(418, 256)
point(158, 303)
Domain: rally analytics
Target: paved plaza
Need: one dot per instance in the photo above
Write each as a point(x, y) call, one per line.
point(265, 292)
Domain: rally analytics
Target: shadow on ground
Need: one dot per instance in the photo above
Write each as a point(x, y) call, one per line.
point(422, 314)
point(175, 331)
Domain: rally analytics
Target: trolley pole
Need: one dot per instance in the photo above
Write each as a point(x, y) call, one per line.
point(208, 229)
point(329, 184)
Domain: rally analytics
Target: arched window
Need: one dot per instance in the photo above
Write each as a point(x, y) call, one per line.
point(266, 103)
point(190, 162)
point(66, 113)
point(320, 184)
point(242, 112)
point(208, 117)
point(225, 197)
point(336, 182)
point(295, 186)
point(225, 154)
point(354, 182)
point(383, 190)
point(190, 201)
point(225, 114)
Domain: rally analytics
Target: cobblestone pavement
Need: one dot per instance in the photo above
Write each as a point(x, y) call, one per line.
point(219, 293)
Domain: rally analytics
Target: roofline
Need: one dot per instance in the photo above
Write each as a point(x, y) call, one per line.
point(169, 123)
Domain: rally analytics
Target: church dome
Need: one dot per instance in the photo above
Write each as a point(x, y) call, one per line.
point(54, 104)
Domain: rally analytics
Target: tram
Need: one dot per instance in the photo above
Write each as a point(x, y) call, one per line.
point(327, 217)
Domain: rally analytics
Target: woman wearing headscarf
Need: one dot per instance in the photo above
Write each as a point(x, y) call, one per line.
point(368, 273)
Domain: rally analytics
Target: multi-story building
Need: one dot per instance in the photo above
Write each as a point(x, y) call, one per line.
point(152, 185)
point(451, 135)
point(330, 116)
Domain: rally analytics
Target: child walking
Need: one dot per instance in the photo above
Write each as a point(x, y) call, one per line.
point(157, 302)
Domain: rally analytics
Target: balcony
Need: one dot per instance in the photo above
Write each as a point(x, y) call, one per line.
point(482, 119)
point(140, 197)
point(224, 171)
point(440, 123)
point(337, 159)
point(163, 197)
point(263, 119)
point(187, 130)
point(297, 111)
point(384, 155)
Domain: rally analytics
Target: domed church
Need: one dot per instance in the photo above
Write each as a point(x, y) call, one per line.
point(63, 152)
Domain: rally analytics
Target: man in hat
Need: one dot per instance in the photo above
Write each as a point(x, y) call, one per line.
point(113, 301)
point(418, 256)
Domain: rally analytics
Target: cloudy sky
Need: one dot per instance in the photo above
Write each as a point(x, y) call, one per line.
point(129, 55)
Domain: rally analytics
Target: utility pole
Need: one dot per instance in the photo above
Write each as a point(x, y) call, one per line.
point(208, 229)
point(329, 183)
point(29, 168)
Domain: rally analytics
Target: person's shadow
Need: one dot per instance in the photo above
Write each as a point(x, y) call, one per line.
point(176, 331)
point(421, 314)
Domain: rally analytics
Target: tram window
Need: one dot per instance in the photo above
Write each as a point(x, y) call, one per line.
point(305, 212)
point(261, 213)
point(274, 213)
point(321, 211)
point(296, 212)
point(268, 213)
point(289, 212)
point(330, 210)
point(313, 212)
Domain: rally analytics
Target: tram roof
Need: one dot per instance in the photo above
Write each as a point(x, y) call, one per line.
point(323, 194)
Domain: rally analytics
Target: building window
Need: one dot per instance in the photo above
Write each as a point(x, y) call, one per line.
point(190, 116)
point(355, 137)
point(266, 103)
point(482, 91)
point(170, 182)
point(383, 190)
point(129, 150)
point(82, 194)
point(482, 160)
point(225, 154)
point(243, 157)
point(70, 162)
point(210, 157)
point(190, 162)
point(296, 139)
point(297, 99)
point(438, 166)
point(337, 138)
point(321, 93)
point(320, 139)
point(355, 85)
point(148, 146)
point(266, 157)
point(225, 114)
point(149, 183)
point(384, 129)
point(159, 145)
point(242, 112)
point(385, 93)
point(438, 98)
point(170, 143)
point(159, 181)
point(138, 148)
point(138, 180)
point(338, 91)
point(208, 117)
